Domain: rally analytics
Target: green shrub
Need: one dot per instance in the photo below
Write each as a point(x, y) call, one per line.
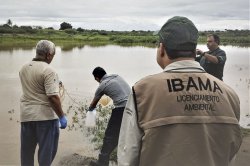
point(70, 31)
point(77, 115)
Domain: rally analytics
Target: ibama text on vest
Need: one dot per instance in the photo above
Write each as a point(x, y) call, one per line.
point(194, 97)
point(178, 84)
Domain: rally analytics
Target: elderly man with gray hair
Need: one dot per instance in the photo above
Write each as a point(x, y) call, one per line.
point(40, 107)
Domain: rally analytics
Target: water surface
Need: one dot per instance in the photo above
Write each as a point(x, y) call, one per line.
point(75, 66)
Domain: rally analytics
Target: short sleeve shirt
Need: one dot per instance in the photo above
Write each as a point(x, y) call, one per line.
point(115, 87)
point(39, 80)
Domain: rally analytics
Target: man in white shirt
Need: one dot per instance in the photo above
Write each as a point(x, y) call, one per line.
point(40, 107)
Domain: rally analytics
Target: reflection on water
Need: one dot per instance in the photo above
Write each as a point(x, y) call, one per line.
point(67, 46)
point(11, 47)
point(71, 46)
point(75, 62)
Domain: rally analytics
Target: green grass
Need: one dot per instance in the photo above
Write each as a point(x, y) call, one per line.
point(20, 37)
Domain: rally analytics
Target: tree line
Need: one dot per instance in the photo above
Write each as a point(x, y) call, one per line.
point(9, 27)
point(135, 36)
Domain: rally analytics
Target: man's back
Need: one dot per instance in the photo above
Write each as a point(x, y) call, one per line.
point(182, 116)
point(190, 145)
point(116, 88)
point(38, 80)
point(187, 119)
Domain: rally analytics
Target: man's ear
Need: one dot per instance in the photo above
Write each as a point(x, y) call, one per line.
point(97, 79)
point(162, 50)
point(47, 56)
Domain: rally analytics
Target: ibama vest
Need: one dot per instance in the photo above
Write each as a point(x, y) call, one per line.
point(179, 112)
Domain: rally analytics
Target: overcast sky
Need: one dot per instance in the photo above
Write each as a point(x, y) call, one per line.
point(126, 14)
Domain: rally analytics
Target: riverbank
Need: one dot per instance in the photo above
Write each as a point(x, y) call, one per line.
point(24, 36)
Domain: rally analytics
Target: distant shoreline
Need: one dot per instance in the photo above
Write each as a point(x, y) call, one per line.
point(26, 35)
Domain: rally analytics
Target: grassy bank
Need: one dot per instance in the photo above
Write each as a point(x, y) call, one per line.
point(76, 37)
point(28, 36)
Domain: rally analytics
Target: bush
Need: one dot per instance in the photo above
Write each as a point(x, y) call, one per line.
point(28, 29)
point(71, 31)
point(80, 29)
point(96, 134)
point(4, 29)
point(51, 28)
point(65, 25)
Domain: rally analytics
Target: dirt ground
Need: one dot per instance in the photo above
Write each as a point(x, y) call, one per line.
point(78, 160)
point(243, 157)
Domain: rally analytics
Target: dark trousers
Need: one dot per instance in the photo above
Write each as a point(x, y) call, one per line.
point(111, 137)
point(43, 133)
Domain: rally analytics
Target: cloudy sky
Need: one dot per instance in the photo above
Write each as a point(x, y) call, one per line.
point(126, 14)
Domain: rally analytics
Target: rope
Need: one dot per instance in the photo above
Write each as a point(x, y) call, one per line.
point(72, 99)
point(104, 101)
point(62, 92)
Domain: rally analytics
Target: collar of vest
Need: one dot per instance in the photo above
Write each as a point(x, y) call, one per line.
point(184, 66)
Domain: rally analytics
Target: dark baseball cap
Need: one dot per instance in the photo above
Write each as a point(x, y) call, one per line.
point(179, 33)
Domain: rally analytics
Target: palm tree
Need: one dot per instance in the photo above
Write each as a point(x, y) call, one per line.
point(9, 22)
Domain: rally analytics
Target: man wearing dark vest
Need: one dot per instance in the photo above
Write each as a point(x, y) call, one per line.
point(182, 116)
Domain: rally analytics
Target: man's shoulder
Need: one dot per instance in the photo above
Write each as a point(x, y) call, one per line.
point(149, 78)
point(113, 75)
point(220, 51)
point(48, 69)
point(34, 66)
point(108, 77)
point(111, 78)
point(24, 66)
point(37, 64)
point(229, 90)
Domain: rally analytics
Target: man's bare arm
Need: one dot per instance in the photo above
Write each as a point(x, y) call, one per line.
point(56, 105)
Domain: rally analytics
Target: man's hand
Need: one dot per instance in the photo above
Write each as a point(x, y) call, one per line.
point(63, 122)
point(60, 84)
point(93, 104)
point(91, 108)
point(199, 52)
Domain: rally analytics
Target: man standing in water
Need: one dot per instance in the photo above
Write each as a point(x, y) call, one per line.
point(182, 116)
point(214, 60)
point(118, 90)
point(40, 106)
